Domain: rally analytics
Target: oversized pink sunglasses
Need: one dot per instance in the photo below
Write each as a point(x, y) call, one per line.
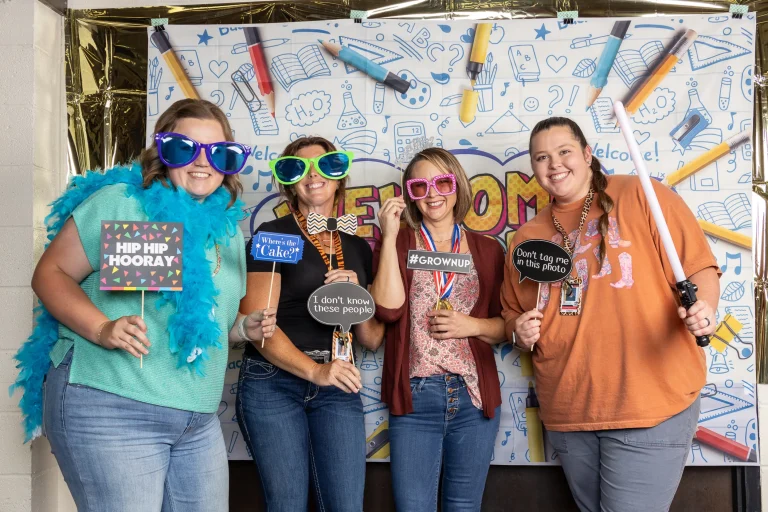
point(444, 185)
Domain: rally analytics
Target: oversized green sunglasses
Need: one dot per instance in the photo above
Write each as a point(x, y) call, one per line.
point(291, 169)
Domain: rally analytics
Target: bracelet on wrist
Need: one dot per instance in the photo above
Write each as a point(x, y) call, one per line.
point(241, 331)
point(98, 334)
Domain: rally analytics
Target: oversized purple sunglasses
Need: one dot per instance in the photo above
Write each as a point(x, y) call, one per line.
point(176, 150)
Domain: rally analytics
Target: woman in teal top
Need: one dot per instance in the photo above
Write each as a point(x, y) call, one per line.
point(129, 403)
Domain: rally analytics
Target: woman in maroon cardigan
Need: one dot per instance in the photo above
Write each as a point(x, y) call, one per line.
point(440, 379)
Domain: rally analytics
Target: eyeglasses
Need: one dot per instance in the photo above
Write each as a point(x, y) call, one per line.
point(176, 150)
point(291, 169)
point(444, 185)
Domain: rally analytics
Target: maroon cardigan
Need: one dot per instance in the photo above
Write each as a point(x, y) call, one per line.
point(488, 258)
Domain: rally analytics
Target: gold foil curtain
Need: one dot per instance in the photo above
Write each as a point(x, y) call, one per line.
point(106, 51)
point(760, 195)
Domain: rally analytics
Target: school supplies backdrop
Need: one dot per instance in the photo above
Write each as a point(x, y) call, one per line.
point(534, 69)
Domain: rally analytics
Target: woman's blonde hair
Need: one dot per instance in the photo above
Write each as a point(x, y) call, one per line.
point(448, 164)
point(153, 169)
point(293, 149)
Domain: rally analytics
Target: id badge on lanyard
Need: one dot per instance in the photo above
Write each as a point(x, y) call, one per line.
point(570, 296)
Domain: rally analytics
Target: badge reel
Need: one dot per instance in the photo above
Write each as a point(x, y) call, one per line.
point(570, 297)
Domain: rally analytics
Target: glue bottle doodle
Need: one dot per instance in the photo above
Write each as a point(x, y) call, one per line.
point(351, 117)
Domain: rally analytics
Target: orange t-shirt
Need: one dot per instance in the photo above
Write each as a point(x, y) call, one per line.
point(627, 361)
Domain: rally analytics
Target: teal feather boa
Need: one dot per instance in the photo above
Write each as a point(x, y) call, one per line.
point(192, 328)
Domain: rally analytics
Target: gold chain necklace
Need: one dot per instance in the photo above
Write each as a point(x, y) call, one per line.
point(570, 293)
point(584, 213)
point(449, 239)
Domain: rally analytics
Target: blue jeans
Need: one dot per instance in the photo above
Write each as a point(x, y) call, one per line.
point(627, 470)
point(446, 430)
point(295, 429)
point(120, 455)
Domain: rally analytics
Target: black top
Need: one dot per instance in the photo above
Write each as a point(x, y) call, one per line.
point(300, 280)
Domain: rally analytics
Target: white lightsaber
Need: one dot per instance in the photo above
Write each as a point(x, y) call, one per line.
point(686, 289)
point(650, 194)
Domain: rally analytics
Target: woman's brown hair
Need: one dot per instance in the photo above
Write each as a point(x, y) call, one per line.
point(293, 149)
point(446, 162)
point(599, 181)
point(153, 168)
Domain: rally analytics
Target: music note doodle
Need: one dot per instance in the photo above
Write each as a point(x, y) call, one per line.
point(258, 180)
point(386, 124)
point(730, 256)
point(506, 439)
point(504, 92)
point(730, 126)
point(170, 91)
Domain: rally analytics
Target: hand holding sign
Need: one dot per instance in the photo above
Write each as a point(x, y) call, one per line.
point(341, 276)
point(541, 261)
point(528, 329)
point(342, 304)
point(138, 256)
point(127, 333)
point(276, 247)
point(260, 324)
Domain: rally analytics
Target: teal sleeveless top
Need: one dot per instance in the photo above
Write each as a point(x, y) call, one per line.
point(160, 381)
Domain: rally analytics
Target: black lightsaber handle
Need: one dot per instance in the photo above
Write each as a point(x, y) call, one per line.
point(687, 291)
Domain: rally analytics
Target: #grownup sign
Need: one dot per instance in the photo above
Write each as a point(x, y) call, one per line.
point(440, 261)
point(141, 256)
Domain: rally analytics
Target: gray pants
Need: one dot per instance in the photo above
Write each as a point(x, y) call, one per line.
point(636, 469)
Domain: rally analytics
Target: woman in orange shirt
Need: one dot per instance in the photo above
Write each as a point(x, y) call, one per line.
point(619, 381)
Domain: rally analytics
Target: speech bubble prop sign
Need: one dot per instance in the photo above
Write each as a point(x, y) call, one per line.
point(277, 247)
point(541, 261)
point(342, 304)
point(141, 256)
point(440, 261)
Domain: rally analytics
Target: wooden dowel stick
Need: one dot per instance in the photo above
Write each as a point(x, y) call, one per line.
point(269, 298)
point(141, 356)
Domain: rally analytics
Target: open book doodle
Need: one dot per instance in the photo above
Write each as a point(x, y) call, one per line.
point(307, 63)
point(631, 65)
point(733, 213)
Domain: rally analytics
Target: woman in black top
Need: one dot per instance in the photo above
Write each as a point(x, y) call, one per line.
point(300, 411)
